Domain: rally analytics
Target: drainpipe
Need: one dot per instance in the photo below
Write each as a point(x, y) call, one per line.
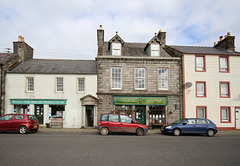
point(180, 88)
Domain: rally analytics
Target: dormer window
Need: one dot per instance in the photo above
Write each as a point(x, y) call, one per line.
point(155, 50)
point(116, 49)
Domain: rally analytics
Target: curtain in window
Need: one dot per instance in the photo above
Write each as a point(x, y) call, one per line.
point(225, 114)
point(116, 78)
point(200, 63)
point(140, 78)
point(223, 64)
point(224, 89)
point(201, 112)
point(200, 89)
point(163, 79)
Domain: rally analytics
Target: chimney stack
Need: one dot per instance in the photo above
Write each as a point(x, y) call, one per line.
point(162, 36)
point(22, 49)
point(227, 43)
point(100, 40)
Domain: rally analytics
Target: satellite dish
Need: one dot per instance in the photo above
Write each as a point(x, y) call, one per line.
point(188, 84)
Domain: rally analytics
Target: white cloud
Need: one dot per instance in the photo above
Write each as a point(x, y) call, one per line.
point(67, 28)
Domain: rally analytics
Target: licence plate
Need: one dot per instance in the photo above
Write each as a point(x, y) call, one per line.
point(34, 126)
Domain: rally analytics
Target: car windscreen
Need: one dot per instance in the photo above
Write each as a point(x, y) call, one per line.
point(178, 121)
point(31, 117)
point(104, 117)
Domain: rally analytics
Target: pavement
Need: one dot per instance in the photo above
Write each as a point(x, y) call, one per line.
point(93, 130)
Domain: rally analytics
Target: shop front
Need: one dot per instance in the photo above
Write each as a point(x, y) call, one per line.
point(43, 109)
point(151, 111)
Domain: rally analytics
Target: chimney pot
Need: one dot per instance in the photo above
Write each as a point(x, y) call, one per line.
point(228, 34)
point(20, 38)
point(221, 38)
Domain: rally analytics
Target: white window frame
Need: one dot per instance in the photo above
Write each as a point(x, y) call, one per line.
point(200, 63)
point(224, 89)
point(224, 64)
point(200, 111)
point(139, 78)
point(30, 84)
point(163, 78)
point(116, 49)
point(59, 87)
point(155, 50)
point(201, 90)
point(225, 117)
point(80, 85)
point(116, 77)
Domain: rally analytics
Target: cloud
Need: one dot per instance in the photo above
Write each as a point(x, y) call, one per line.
point(67, 29)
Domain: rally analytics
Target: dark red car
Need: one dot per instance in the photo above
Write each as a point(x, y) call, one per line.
point(23, 123)
point(120, 123)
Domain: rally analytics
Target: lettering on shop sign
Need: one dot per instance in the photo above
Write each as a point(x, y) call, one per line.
point(140, 100)
point(37, 101)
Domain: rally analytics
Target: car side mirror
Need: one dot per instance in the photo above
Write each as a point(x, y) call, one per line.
point(132, 121)
point(184, 123)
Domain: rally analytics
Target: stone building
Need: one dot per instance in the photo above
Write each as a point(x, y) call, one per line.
point(21, 52)
point(141, 80)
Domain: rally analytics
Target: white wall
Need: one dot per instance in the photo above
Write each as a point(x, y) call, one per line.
point(44, 88)
point(212, 76)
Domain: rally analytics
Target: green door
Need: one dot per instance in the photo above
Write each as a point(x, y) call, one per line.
point(39, 113)
point(140, 114)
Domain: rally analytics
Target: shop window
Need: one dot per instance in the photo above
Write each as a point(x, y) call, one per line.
point(81, 84)
point(163, 78)
point(157, 115)
point(21, 109)
point(56, 111)
point(139, 78)
point(30, 84)
point(124, 109)
point(116, 78)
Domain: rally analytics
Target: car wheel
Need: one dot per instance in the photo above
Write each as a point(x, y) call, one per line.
point(23, 130)
point(140, 132)
point(104, 131)
point(210, 133)
point(176, 132)
point(34, 131)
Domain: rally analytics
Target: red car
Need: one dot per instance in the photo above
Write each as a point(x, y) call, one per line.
point(120, 123)
point(23, 123)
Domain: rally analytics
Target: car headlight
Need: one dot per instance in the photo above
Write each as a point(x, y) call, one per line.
point(168, 127)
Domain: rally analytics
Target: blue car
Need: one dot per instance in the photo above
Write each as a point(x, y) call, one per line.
point(191, 126)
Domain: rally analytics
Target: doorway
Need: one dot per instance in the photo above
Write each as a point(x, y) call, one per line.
point(39, 113)
point(89, 115)
point(140, 114)
point(238, 118)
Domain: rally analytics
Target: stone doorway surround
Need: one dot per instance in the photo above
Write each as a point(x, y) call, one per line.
point(89, 100)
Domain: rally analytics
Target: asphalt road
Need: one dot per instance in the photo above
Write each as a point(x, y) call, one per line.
point(90, 149)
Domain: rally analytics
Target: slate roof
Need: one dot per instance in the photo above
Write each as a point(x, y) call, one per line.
point(4, 57)
point(202, 50)
point(44, 66)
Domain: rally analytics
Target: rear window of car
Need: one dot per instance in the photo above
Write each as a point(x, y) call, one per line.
point(104, 117)
point(18, 117)
point(113, 118)
point(31, 117)
point(201, 121)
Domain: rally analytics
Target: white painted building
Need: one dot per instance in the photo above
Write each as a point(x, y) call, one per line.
point(211, 77)
point(54, 89)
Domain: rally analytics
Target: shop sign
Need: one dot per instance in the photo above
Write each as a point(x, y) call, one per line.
point(37, 101)
point(140, 100)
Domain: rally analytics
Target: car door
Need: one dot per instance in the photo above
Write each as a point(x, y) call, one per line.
point(126, 124)
point(189, 126)
point(113, 122)
point(201, 126)
point(5, 122)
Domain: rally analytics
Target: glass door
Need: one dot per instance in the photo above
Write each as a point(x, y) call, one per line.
point(140, 114)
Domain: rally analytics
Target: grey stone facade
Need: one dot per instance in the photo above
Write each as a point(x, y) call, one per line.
point(134, 55)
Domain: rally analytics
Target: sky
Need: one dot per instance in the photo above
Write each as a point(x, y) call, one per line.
point(67, 29)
